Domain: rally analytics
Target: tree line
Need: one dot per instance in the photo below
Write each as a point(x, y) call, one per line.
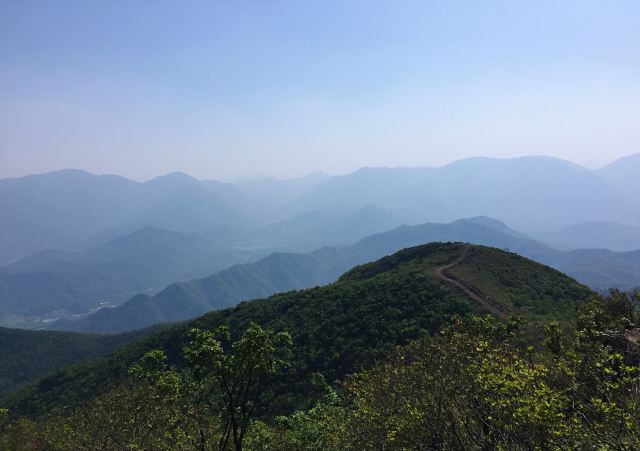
point(480, 383)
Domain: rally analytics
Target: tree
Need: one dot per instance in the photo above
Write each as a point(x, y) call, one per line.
point(208, 402)
point(479, 385)
point(229, 379)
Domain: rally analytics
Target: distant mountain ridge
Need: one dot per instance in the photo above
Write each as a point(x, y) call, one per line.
point(58, 209)
point(286, 271)
point(54, 210)
point(526, 193)
point(53, 284)
point(76, 282)
point(211, 225)
point(596, 235)
point(623, 174)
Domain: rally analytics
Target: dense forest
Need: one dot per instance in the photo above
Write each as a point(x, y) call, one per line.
point(393, 346)
point(27, 355)
point(343, 327)
point(479, 383)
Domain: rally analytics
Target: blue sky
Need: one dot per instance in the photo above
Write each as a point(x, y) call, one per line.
point(224, 88)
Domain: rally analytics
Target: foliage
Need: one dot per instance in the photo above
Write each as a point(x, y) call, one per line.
point(29, 354)
point(522, 287)
point(230, 385)
point(338, 329)
point(209, 404)
point(424, 372)
point(478, 386)
point(322, 427)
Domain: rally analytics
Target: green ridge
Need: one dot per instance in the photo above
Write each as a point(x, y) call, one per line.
point(339, 328)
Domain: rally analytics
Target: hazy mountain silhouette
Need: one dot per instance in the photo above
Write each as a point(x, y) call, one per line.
point(55, 283)
point(623, 174)
point(526, 193)
point(51, 210)
point(57, 209)
point(270, 192)
point(288, 271)
point(60, 209)
point(599, 234)
point(106, 251)
point(337, 224)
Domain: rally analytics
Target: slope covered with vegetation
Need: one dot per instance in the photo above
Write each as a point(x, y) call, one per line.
point(108, 270)
point(478, 383)
point(28, 355)
point(343, 327)
point(287, 271)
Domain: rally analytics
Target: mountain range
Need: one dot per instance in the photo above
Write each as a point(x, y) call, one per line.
point(526, 193)
point(599, 269)
point(72, 242)
point(57, 283)
point(623, 174)
point(348, 325)
point(59, 209)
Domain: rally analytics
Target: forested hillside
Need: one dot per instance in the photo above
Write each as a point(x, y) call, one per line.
point(599, 269)
point(27, 355)
point(109, 269)
point(72, 242)
point(348, 325)
point(395, 355)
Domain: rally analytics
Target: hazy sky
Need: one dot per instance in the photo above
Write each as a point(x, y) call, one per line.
point(224, 88)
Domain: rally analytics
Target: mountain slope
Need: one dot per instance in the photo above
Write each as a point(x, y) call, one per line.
point(345, 326)
point(58, 209)
point(28, 355)
point(271, 193)
point(339, 224)
point(526, 193)
point(192, 208)
point(287, 271)
point(593, 235)
point(185, 300)
point(49, 210)
point(601, 268)
point(58, 283)
point(623, 174)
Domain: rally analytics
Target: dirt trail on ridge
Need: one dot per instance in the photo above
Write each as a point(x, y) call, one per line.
point(471, 291)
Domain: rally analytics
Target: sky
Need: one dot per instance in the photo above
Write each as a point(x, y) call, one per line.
point(220, 89)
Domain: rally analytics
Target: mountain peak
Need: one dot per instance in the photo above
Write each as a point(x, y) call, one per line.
point(173, 177)
point(487, 222)
point(629, 159)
